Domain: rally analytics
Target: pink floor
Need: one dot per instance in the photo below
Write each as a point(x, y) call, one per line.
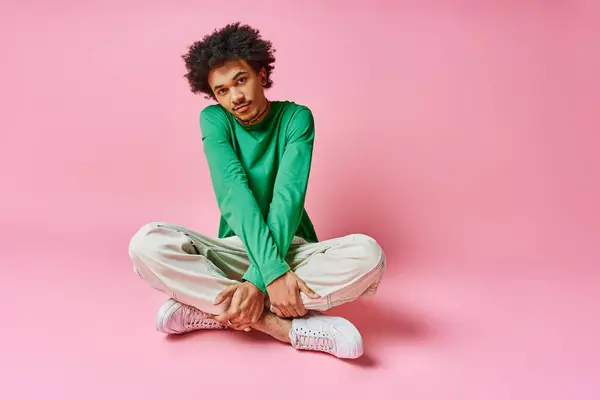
point(463, 135)
point(81, 327)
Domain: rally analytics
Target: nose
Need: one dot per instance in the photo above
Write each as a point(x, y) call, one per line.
point(236, 96)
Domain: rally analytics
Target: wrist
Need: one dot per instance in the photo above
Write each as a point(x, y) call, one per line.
point(252, 286)
point(273, 271)
point(279, 279)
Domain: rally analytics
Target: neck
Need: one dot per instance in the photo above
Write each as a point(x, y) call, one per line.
point(259, 117)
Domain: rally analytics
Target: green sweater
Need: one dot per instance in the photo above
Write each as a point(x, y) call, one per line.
point(260, 175)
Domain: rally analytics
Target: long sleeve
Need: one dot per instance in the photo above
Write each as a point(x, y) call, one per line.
point(287, 205)
point(254, 275)
point(237, 203)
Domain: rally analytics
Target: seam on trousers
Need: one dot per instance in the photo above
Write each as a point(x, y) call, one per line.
point(352, 295)
point(371, 290)
point(378, 268)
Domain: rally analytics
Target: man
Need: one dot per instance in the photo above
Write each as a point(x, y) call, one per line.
point(266, 270)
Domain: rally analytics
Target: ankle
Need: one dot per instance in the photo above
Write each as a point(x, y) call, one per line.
point(274, 326)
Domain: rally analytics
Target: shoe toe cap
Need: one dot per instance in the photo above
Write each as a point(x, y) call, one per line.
point(349, 342)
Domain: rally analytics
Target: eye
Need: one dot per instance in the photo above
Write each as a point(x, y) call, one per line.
point(221, 91)
point(242, 80)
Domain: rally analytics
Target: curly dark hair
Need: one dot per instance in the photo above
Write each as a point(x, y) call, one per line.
point(233, 42)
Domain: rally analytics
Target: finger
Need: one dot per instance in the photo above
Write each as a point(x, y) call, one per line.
point(286, 311)
point(225, 318)
point(233, 316)
point(236, 307)
point(225, 307)
point(222, 319)
point(307, 291)
point(225, 294)
point(239, 319)
point(242, 327)
point(229, 322)
point(299, 309)
point(236, 300)
point(277, 311)
point(247, 311)
point(244, 322)
point(249, 319)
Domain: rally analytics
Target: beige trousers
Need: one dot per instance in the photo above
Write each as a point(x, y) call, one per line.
point(193, 268)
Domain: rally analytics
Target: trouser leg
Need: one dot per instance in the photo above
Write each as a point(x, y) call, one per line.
point(193, 268)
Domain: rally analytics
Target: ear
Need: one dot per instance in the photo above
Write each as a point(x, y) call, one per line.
point(263, 76)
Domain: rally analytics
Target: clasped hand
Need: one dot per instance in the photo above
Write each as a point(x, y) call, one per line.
point(246, 302)
point(245, 306)
point(284, 295)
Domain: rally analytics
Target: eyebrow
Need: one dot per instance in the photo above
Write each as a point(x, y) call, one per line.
point(233, 79)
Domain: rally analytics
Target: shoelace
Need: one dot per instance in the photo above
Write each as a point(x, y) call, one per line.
point(197, 319)
point(314, 341)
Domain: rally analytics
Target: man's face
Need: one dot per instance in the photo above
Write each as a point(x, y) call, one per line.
point(239, 89)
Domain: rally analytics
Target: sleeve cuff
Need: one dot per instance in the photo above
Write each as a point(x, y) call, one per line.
point(273, 270)
point(270, 272)
point(253, 276)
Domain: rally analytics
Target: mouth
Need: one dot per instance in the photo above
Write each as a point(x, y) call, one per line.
point(242, 108)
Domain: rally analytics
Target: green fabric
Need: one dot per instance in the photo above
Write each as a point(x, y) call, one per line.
point(260, 175)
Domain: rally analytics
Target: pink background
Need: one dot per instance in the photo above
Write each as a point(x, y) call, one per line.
point(462, 135)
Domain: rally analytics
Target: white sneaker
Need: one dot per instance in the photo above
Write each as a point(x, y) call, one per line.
point(174, 317)
point(334, 335)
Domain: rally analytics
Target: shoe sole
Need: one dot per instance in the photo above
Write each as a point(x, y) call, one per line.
point(357, 349)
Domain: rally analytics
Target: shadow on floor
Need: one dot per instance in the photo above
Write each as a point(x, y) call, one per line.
point(381, 326)
point(383, 322)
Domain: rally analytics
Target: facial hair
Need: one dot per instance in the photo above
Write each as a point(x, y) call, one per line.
point(255, 116)
point(250, 119)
